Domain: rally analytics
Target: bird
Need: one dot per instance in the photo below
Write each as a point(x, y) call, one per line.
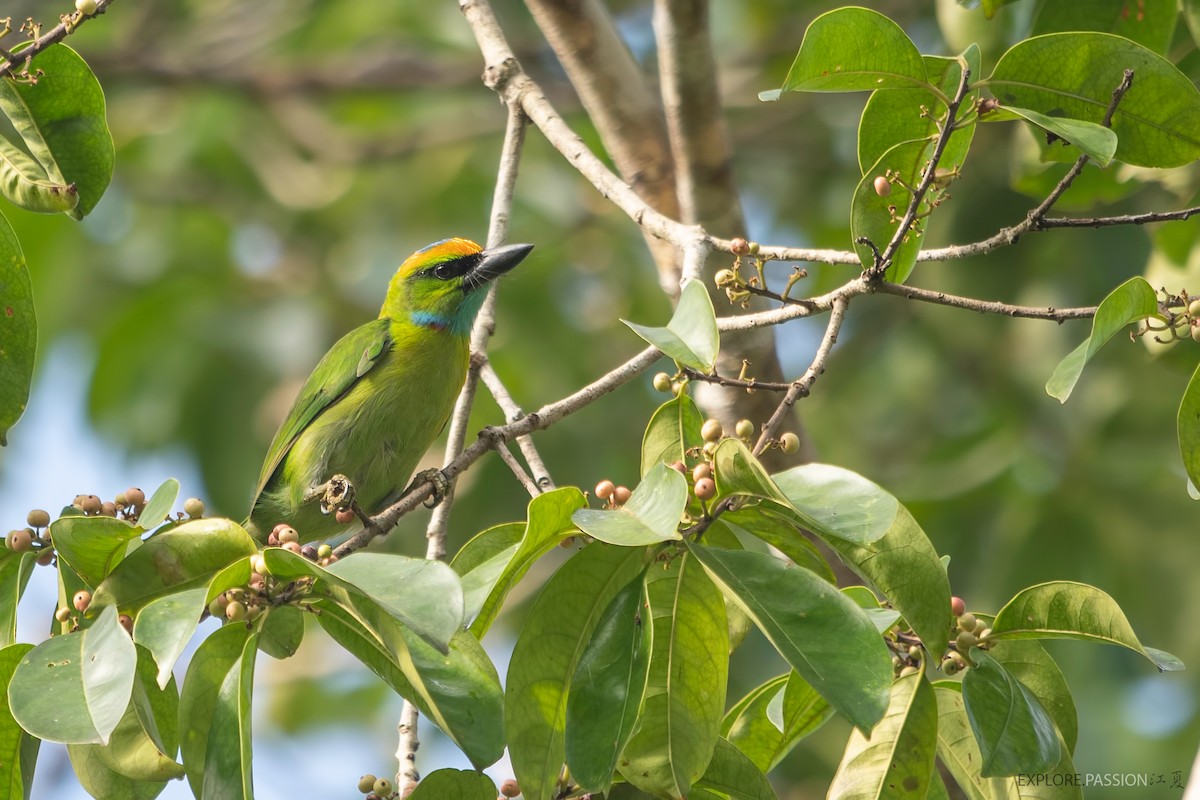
point(377, 400)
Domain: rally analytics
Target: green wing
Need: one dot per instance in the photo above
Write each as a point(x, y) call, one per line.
point(348, 360)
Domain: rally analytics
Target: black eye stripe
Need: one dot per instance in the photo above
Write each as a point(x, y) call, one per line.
point(454, 268)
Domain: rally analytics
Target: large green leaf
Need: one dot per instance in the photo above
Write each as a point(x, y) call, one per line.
point(74, 688)
point(836, 502)
point(751, 724)
point(165, 625)
point(853, 49)
point(672, 431)
point(606, 691)
point(18, 330)
point(1015, 734)
point(1150, 23)
point(781, 533)
point(828, 639)
point(16, 768)
point(732, 775)
point(1132, 300)
point(680, 720)
point(549, 522)
point(552, 641)
point(93, 546)
point(182, 558)
point(281, 631)
point(61, 119)
point(454, 784)
point(482, 561)
point(956, 745)
point(650, 516)
point(1028, 662)
point(1068, 610)
point(15, 569)
point(691, 337)
point(897, 761)
point(1074, 74)
point(100, 780)
point(25, 184)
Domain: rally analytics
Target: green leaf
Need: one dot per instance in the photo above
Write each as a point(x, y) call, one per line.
point(1097, 141)
point(227, 759)
point(1188, 425)
point(543, 664)
point(606, 691)
point(93, 546)
point(732, 775)
point(836, 502)
point(15, 569)
point(25, 184)
point(1028, 662)
point(74, 688)
point(1074, 74)
point(680, 721)
point(184, 557)
point(674, 428)
point(956, 745)
point(482, 560)
point(691, 336)
point(454, 784)
point(61, 118)
point(854, 49)
point(100, 780)
point(281, 631)
point(549, 522)
point(423, 595)
point(650, 516)
point(780, 533)
point(828, 639)
point(749, 724)
point(897, 761)
point(18, 330)
point(16, 770)
point(1132, 300)
point(1067, 610)
point(158, 507)
point(1015, 734)
point(165, 625)
point(1150, 23)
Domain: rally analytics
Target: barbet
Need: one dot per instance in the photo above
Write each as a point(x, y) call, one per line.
point(382, 394)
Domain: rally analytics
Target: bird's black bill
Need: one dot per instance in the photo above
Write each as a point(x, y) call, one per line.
point(494, 263)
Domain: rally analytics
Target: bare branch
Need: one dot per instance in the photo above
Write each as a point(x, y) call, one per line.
point(518, 471)
point(406, 752)
point(14, 64)
point(512, 413)
point(986, 306)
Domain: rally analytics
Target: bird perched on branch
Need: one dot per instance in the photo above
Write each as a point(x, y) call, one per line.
point(381, 395)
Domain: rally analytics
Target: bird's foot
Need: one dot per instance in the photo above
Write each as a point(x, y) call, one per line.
point(439, 481)
point(335, 494)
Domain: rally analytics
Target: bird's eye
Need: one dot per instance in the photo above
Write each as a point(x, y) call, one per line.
point(444, 271)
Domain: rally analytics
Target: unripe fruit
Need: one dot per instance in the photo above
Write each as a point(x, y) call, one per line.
point(705, 489)
point(882, 186)
point(950, 666)
point(291, 547)
point(958, 658)
point(605, 489)
point(366, 783)
point(120, 500)
point(288, 534)
point(967, 622)
point(789, 443)
point(81, 600)
point(914, 651)
point(46, 557)
point(711, 430)
point(62, 614)
point(709, 449)
point(193, 507)
point(108, 509)
point(896, 661)
point(217, 607)
point(235, 611)
point(662, 382)
point(309, 552)
point(272, 539)
point(253, 613)
point(724, 277)
point(383, 787)
point(701, 471)
point(91, 504)
point(754, 248)
point(621, 495)
point(957, 606)
point(679, 467)
point(135, 497)
point(904, 673)
point(38, 518)
point(85, 7)
point(126, 622)
point(740, 247)
point(258, 564)
point(331, 560)
point(324, 551)
point(344, 516)
point(1195, 330)
point(1194, 308)
point(744, 429)
point(965, 641)
point(510, 788)
point(983, 634)
point(20, 540)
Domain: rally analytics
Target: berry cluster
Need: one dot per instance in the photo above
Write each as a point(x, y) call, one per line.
point(381, 788)
point(968, 632)
point(263, 590)
point(34, 537)
point(287, 537)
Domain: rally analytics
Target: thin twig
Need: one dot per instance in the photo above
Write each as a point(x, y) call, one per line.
point(986, 306)
point(512, 413)
point(13, 64)
point(518, 471)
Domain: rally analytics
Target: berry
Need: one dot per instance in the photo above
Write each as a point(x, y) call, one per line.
point(662, 382)
point(272, 539)
point(288, 534)
point(754, 248)
point(235, 611)
point(108, 509)
point(709, 449)
point(705, 489)
point(950, 666)
point(982, 634)
point(20, 540)
point(126, 622)
point(292, 547)
point(91, 504)
point(965, 641)
point(1194, 308)
point(882, 186)
point(366, 783)
point(46, 557)
point(957, 606)
point(344, 516)
point(325, 562)
point(711, 430)
point(621, 495)
point(605, 489)
point(258, 564)
point(78, 501)
point(510, 788)
point(217, 607)
point(744, 429)
point(309, 552)
point(702, 470)
point(967, 622)
point(85, 7)
point(38, 518)
point(740, 247)
point(81, 600)
point(724, 277)
point(1195, 330)
point(679, 467)
point(135, 497)
point(62, 614)
point(193, 507)
point(324, 551)
point(789, 443)
point(383, 787)
point(904, 673)
point(914, 651)
point(120, 500)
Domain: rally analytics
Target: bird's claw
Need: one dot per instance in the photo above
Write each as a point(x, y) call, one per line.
point(337, 493)
point(439, 481)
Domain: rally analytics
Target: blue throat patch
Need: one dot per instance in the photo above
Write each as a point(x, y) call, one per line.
point(459, 323)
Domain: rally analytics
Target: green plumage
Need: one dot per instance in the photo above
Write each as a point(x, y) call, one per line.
point(382, 394)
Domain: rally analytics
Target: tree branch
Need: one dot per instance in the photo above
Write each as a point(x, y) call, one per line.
point(518, 471)
point(13, 64)
point(512, 413)
point(985, 306)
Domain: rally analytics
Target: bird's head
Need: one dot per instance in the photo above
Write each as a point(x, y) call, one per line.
point(443, 285)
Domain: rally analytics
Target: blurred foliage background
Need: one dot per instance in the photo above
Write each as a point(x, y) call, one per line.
point(276, 160)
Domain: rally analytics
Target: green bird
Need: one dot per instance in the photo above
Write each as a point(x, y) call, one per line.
point(383, 393)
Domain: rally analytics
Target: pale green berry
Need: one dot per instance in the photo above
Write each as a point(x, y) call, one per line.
point(366, 783)
point(38, 518)
point(235, 611)
point(383, 787)
point(324, 551)
point(662, 382)
point(85, 7)
point(789, 443)
point(904, 673)
point(965, 641)
point(967, 622)
point(711, 430)
point(193, 507)
point(744, 429)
